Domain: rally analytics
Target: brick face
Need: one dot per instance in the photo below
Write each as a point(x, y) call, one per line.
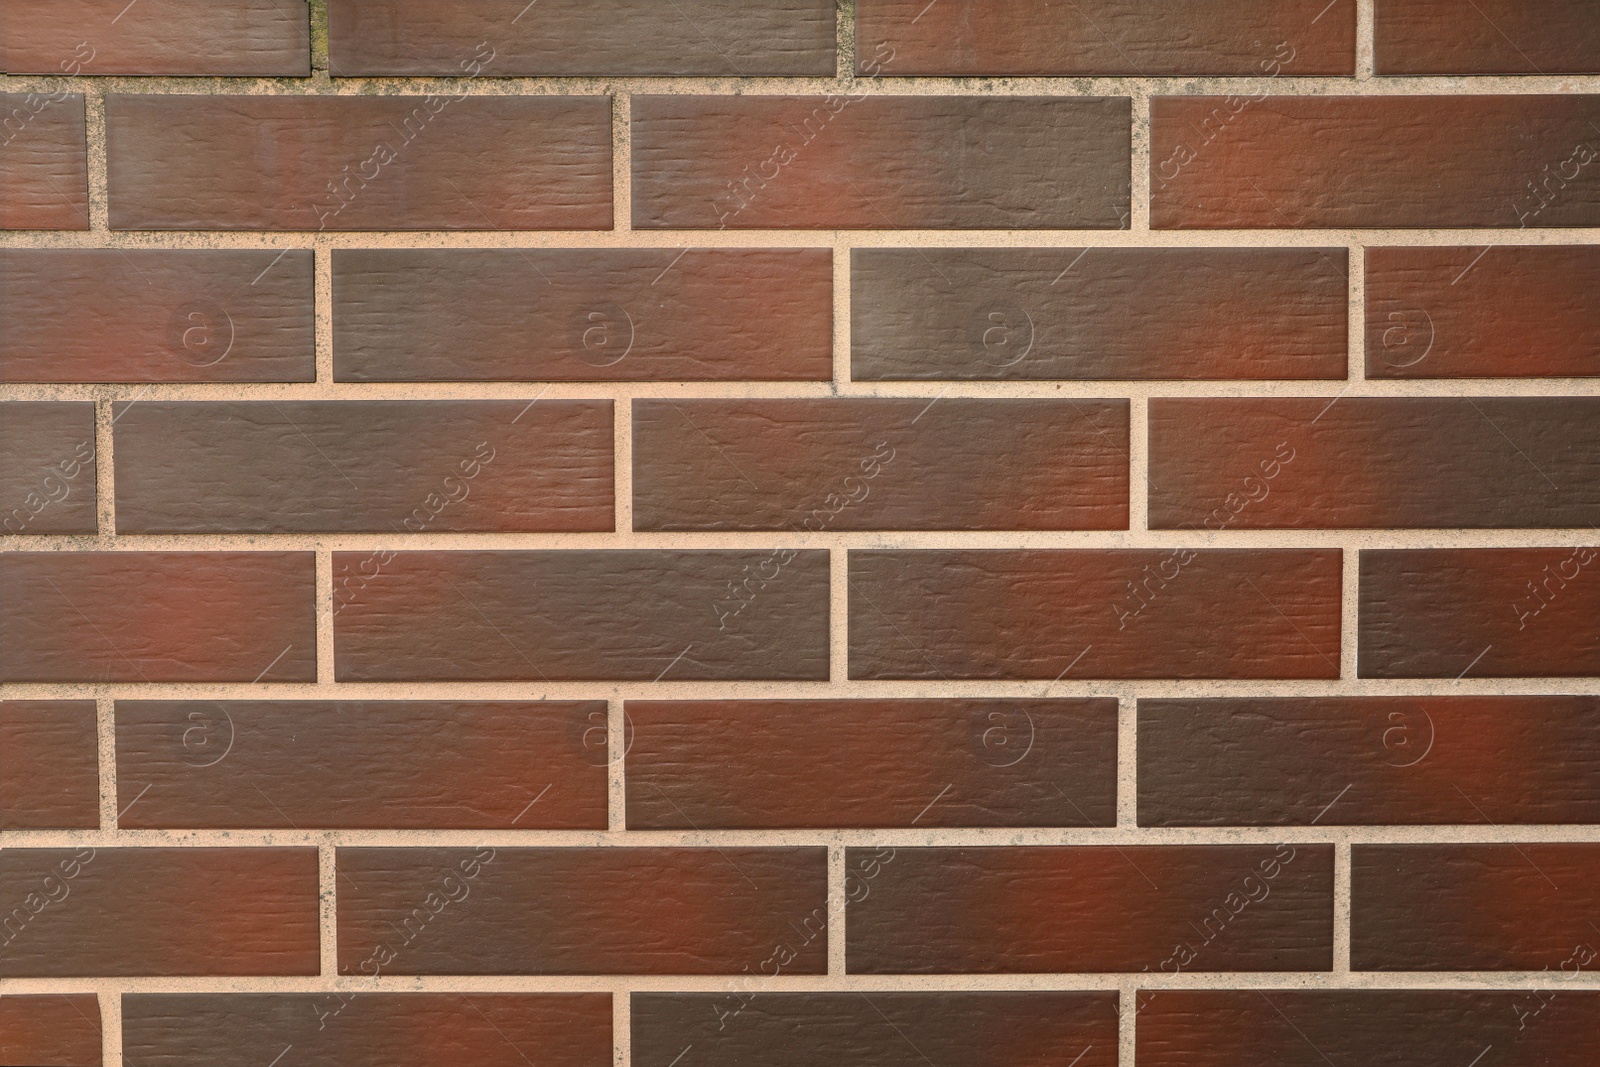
point(1487, 37)
point(226, 37)
point(49, 765)
point(54, 1030)
point(47, 468)
point(43, 162)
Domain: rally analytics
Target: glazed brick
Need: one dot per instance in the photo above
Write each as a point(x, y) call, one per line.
point(158, 617)
point(880, 162)
point(1082, 313)
point(1497, 907)
point(877, 1030)
point(777, 764)
point(1084, 909)
point(595, 314)
point(44, 162)
point(578, 37)
point(51, 1030)
point(159, 911)
point(1152, 613)
point(157, 315)
point(172, 37)
point(355, 764)
point(1371, 161)
point(1487, 37)
point(880, 464)
point(1374, 462)
point(1380, 1027)
point(335, 1029)
point(1360, 761)
point(364, 466)
point(47, 468)
point(49, 765)
point(582, 910)
point(359, 162)
point(1500, 312)
point(1145, 38)
point(1491, 613)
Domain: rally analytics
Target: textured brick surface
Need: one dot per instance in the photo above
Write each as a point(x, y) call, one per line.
point(227, 37)
point(43, 162)
point(47, 468)
point(1487, 37)
point(53, 1030)
point(49, 765)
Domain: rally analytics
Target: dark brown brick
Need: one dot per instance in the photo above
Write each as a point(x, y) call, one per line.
point(582, 911)
point(47, 468)
point(50, 1030)
point(1487, 37)
point(880, 162)
point(173, 37)
point(49, 765)
point(596, 314)
point(44, 162)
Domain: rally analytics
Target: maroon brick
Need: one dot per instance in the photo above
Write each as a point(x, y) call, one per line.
point(359, 163)
point(157, 617)
point(361, 764)
point(1491, 613)
point(1162, 613)
point(775, 764)
point(158, 911)
point(880, 464)
point(596, 314)
point(47, 468)
point(220, 37)
point(1371, 161)
point(1487, 37)
point(44, 162)
point(1094, 908)
point(157, 315)
point(876, 162)
point(1082, 313)
point(52, 1030)
point(1472, 907)
point(49, 765)
point(582, 910)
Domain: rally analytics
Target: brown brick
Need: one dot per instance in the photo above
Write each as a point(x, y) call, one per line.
point(596, 314)
point(173, 37)
point(44, 162)
point(1487, 37)
point(1491, 613)
point(1497, 312)
point(1080, 313)
point(1150, 613)
point(49, 765)
point(50, 1030)
point(364, 466)
point(158, 617)
point(582, 910)
point(880, 464)
point(1497, 907)
point(880, 162)
point(1374, 462)
point(159, 911)
point(362, 764)
point(1355, 761)
point(1146, 38)
point(575, 37)
point(774, 764)
point(336, 1029)
point(1089, 909)
point(1368, 161)
point(359, 163)
point(156, 315)
point(47, 468)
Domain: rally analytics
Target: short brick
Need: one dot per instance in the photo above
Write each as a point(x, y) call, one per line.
point(49, 765)
point(228, 38)
point(44, 162)
point(47, 468)
point(1487, 37)
point(50, 1030)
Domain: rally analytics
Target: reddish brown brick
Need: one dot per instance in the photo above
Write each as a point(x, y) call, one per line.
point(1089, 909)
point(49, 765)
point(1496, 312)
point(371, 465)
point(51, 1030)
point(158, 617)
point(1152, 613)
point(598, 314)
point(880, 162)
point(158, 911)
point(1374, 462)
point(1497, 907)
point(1487, 37)
point(156, 315)
point(1079, 313)
point(44, 162)
point(47, 468)
point(1369, 161)
point(1354, 761)
point(174, 37)
point(362, 764)
point(880, 464)
point(772, 764)
point(582, 911)
point(1109, 37)
point(359, 162)
point(1490, 613)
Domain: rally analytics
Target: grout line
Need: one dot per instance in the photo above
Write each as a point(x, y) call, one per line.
point(1127, 1020)
point(842, 336)
point(1139, 208)
point(322, 312)
point(106, 751)
point(111, 1026)
point(622, 1028)
point(328, 896)
point(836, 910)
point(1366, 42)
point(324, 616)
point(105, 483)
point(838, 615)
point(94, 115)
point(1349, 613)
point(1341, 909)
point(616, 754)
point(1127, 763)
point(1356, 315)
point(621, 163)
point(622, 465)
point(1139, 468)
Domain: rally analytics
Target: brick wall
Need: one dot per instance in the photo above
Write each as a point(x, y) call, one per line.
point(703, 533)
